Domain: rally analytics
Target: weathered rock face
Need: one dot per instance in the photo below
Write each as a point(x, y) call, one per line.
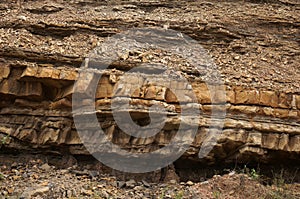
point(256, 47)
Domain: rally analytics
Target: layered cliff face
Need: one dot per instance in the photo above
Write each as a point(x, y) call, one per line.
point(254, 44)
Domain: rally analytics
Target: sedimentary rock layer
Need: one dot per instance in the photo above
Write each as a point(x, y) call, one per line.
point(255, 46)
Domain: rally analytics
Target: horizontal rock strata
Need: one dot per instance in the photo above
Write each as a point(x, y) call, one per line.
point(255, 46)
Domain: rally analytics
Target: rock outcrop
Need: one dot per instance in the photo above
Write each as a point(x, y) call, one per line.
point(254, 44)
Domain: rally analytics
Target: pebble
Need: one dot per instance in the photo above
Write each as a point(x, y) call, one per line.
point(69, 193)
point(5, 193)
point(146, 184)
point(138, 188)
point(204, 182)
point(130, 183)
point(45, 167)
point(16, 177)
point(64, 171)
point(237, 57)
point(105, 194)
point(22, 17)
point(121, 184)
point(231, 173)
point(24, 175)
point(87, 192)
point(93, 174)
point(34, 191)
point(10, 190)
point(14, 165)
point(189, 183)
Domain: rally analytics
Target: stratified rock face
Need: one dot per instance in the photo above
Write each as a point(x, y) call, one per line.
point(256, 47)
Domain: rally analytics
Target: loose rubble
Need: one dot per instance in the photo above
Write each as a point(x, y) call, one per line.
point(29, 180)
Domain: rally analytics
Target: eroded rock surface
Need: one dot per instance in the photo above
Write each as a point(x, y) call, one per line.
point(255, 46)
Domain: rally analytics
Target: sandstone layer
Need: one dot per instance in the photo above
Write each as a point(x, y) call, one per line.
point(254, 44)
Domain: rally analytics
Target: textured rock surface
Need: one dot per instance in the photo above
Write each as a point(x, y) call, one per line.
point(255, 45)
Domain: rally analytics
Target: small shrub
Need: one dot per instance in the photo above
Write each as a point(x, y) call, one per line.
point(254, 174)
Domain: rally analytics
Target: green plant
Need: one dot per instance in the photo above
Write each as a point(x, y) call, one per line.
point(281, 190)
point(245, 170)
point(163, 193)
point(251, 172)
point(2, 177)
point(217, 194)
point(179, 195)
point(278, 178)
point(5, 139)
point(279, 194)
point(254, 174)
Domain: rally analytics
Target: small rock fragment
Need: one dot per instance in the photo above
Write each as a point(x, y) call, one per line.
point(121, 184)
point(145, 183)
point(189, 183)
point(34, 191)
point(130, 183)
point(45, 167)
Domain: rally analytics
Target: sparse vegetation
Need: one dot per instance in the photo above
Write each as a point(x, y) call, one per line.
point(217, 194)
point(254, 174)
point(162, 195)
point(179, 195)
point(278, 178)
point(2, 177)
point(4, 140)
